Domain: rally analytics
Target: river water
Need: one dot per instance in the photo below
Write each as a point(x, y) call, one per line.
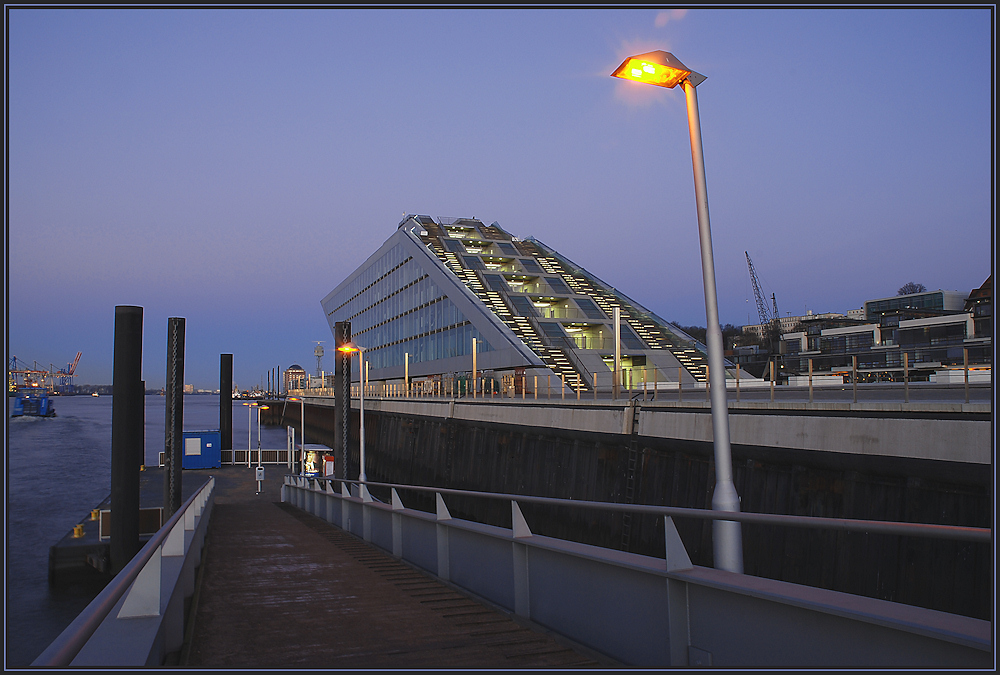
point(58, 469)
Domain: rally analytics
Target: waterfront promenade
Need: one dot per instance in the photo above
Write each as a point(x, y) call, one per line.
point(280, 588)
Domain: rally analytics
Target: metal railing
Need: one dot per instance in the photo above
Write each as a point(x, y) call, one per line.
point(949, 532)
point(648, 611)
point(143, 588)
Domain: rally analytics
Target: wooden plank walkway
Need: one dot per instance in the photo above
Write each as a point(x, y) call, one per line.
point(281, 588)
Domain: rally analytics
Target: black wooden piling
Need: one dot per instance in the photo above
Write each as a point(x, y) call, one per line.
point(174, 422)
point(126, 435)
point(342, 394)
point(226, 401)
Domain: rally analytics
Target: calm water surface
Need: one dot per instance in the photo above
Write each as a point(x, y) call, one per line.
point(58, 469)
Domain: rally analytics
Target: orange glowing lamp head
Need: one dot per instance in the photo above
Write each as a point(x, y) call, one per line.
point(660, 68)
point(348, 348)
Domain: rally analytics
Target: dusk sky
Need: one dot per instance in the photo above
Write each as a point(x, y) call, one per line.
point(234, 166)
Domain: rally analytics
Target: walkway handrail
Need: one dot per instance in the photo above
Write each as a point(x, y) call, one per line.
point(951, 532)
point(64, 648)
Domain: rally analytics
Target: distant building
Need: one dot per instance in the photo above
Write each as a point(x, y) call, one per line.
point(789, 323)
point(294, 377)
point(919, 333)
point(434, 286)
point(938, 302)
point(856, 314)
point(980, 303)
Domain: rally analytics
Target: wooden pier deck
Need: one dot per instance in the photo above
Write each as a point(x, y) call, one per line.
point(280, 588)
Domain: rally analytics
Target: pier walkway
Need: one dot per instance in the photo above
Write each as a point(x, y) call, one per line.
point(281, 588)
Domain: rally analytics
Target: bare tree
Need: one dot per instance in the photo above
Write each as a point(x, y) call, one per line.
point(911, 287)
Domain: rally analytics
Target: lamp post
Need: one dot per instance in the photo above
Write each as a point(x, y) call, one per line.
point(302, 403)
point(259, 408)
point(250, 408)
point(663, 69)
point(348, 348)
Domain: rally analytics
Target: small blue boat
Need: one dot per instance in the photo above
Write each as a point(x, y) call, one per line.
point(33, 401)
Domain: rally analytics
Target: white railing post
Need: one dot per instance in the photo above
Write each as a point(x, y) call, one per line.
point(522, 595)
point(443, 556)
point(345, 507)
point(143, 598)
point(331, 501)
point(366, 518)
point(397, 525)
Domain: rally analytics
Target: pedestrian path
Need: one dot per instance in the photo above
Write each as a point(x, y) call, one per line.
point(283, 589)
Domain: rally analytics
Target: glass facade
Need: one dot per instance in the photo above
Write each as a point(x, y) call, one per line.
point(932, 301)
point(395, 309)
point(539, 309)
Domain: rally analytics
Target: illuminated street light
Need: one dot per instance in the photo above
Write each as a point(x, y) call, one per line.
point(663, 69)
point(251, 405)
point(659, 68)
point(259, 408)
point(347, 349)
point(302, 458)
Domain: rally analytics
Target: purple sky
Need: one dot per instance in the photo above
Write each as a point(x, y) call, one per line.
point(233, 166)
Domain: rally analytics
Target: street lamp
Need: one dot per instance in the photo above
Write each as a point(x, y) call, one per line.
point(347, 349)
point(259, 408)
point(663, 69)
point(302, 402)
point(250, 408)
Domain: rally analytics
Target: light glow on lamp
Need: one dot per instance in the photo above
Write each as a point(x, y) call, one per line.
point(659, 68)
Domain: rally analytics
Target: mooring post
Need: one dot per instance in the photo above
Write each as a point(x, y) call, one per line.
point(126, 406)
point(174, 419)
point(226, 401)
point(342, 394)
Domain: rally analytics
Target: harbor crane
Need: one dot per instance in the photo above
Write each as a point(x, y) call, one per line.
point(20, 374)
point(770, 322)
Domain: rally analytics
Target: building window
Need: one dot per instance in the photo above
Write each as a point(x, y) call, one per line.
point(558, 285)
point(589, 308)
point(522, 305)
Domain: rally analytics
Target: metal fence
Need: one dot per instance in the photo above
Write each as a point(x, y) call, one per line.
point(654, 612)
point(139, 616)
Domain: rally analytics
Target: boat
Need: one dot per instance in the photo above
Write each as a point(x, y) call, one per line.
point(94, 394)
point(33, 401)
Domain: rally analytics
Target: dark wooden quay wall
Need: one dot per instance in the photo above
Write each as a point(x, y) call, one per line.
point(949, 576)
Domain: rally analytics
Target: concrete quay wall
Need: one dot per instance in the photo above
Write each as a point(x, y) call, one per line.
point(952, 432)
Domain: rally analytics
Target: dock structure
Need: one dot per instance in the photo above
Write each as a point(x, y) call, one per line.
point(323, 572)
point(281, 588)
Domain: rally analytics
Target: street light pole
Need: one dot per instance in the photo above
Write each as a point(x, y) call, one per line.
point(727, 536)
point(616, 385)
point(259, 408)
point(663, 69)
point(249, 429)
point(362, 475)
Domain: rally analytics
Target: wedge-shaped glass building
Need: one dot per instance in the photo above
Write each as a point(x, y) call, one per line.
point(437, 289)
